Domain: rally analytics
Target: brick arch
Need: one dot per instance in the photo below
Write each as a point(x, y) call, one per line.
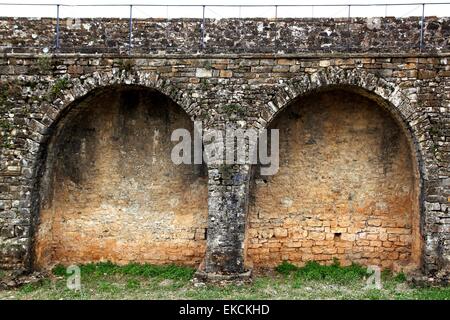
point(387, 95)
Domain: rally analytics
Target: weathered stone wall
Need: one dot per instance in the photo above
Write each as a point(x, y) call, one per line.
point(346, 188)
point(221, 90)
point(226, 35)
point(110, 191)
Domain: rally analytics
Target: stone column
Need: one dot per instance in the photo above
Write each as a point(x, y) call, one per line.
point(227, 204)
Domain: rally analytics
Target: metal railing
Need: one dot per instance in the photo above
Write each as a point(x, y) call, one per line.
point(203, 8)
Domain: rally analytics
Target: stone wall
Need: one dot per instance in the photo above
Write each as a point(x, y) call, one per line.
point(226, 35)
point(238, 90)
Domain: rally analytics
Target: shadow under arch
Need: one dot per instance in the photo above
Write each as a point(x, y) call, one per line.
point(397, 112)
point(123, 116)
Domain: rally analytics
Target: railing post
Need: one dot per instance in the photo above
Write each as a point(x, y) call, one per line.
point(348, 28)
point(202, 35)
point(276, 27)
point(130, 33)
point(57, 28)
point(422, 23)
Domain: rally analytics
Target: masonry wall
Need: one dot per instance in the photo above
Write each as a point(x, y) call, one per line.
point(110, 190)
point(256, 35)
point(347, 188)
point(247, 90)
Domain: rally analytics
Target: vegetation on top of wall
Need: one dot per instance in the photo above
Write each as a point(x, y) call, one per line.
point(126, 65)
point(58, 87)
point(44, 64)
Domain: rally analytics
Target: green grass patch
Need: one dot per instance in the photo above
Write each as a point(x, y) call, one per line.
point(286, 268)
point(438, 293)
point(315, 271)
point(171, 271)
point(59, 270)
point(400, 277)
point(133, 284)
point(29, 287)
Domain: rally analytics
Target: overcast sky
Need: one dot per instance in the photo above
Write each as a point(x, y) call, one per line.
point(221, 12)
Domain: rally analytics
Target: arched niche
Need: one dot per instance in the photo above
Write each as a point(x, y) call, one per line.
point(107, 188)
point(348, 186)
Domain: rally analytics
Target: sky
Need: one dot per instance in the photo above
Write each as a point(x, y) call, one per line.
point(163, 11)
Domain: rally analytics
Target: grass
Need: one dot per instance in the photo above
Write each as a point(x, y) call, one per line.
point(143, 281)
point(328, 273)
point(133, 269)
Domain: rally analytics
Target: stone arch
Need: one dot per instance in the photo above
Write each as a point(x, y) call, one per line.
point(80, 86)
point(399, 101)
point(55, 113)
point(387, 95)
